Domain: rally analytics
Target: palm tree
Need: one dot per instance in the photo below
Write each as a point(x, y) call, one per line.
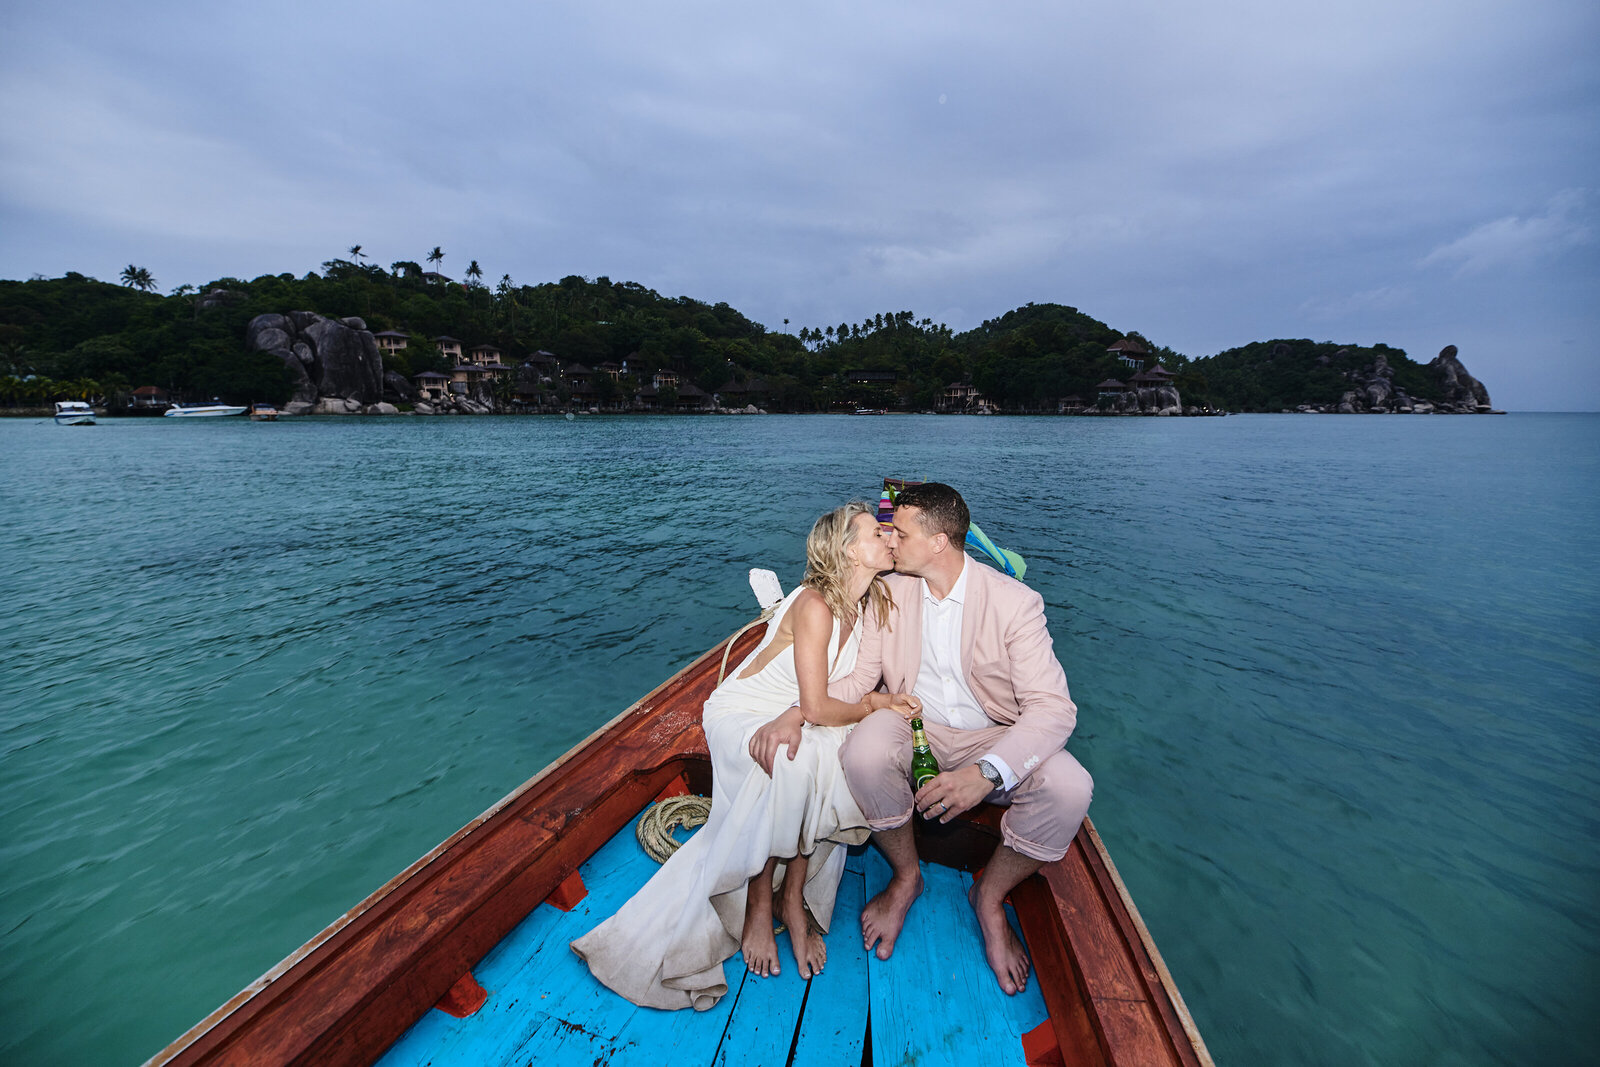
point(436, 257)
point(506, 301)
point(190, 294)
point(474, 272)
point(356, 253)
point(138, 278)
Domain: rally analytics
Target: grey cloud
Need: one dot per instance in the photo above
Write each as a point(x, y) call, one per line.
point(1211, 176)
point(1517, 242)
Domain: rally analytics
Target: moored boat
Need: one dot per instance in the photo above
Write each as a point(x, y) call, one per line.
point(499, 900)
point(263, 413)
point(73, 413)
point(202, 411)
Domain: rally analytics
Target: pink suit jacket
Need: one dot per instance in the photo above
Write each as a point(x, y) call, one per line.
point(1006, 652)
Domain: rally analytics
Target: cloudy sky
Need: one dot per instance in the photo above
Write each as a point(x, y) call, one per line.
point(1417, 172)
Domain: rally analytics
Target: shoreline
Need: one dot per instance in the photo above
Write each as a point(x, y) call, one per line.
point(104, 413)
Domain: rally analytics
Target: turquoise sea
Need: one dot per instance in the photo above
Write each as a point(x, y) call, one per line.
point(1338, 683)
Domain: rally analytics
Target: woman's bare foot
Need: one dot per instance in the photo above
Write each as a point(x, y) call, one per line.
point(757, 942)
point(1007, 958)
point(810, 951)
point(885, 914)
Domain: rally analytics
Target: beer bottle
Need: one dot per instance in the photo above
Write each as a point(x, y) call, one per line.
point(923, 765)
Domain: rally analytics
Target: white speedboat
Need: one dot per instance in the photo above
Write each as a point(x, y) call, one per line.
point(74, 413)
point(201, 411)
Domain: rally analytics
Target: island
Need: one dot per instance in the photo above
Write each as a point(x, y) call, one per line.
point(407, 341)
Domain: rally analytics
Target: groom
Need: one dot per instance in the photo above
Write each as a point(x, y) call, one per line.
point(971, 645)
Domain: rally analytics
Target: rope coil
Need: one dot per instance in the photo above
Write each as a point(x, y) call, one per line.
point(655, 826)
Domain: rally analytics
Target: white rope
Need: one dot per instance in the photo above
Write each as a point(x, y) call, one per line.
point(655, 827)
point(766, 613)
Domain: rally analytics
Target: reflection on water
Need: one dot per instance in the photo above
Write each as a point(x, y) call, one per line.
point(1336, 676)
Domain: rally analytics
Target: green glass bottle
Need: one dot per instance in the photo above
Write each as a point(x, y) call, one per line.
point(923, 765)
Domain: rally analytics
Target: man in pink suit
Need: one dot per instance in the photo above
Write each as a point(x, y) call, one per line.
point(972, 647)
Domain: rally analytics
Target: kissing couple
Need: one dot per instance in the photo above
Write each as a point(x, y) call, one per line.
point(810, 741)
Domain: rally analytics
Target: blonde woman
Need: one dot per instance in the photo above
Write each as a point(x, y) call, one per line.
point(780, 803)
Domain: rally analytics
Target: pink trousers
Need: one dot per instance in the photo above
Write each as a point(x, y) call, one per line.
point(1043, 812)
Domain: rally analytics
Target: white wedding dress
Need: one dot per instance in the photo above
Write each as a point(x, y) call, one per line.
point(665, 947)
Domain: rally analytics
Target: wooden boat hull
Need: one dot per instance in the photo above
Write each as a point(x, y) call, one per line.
point(349, 993)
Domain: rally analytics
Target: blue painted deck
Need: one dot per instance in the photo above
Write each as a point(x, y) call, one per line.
point(934, 1002)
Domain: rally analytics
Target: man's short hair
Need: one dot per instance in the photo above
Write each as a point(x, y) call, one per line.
point(943, 510)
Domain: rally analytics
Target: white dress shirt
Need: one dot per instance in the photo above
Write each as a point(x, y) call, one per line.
point(941, 683)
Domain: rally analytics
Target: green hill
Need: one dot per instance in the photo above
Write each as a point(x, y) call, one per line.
point(76, 336)
point(1279, 374)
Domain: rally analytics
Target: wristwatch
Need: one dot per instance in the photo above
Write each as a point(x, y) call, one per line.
point(991, 772)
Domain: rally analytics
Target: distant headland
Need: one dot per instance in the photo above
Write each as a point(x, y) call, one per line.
point(408, 340)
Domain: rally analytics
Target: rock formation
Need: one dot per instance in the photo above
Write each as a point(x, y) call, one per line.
point(336, 365)
point(1146, 400)
point(1375, 391)
point(1462, 392)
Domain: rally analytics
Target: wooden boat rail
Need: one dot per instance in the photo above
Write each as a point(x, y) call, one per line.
point(346, 995)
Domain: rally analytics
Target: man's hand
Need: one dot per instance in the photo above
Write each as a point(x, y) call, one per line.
point(784, 730)
point(953, 792)
point(905, 705)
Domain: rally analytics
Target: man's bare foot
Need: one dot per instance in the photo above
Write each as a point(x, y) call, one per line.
point(810, 952)
point(758, 943)
point(1007, 958)
point(885, 914)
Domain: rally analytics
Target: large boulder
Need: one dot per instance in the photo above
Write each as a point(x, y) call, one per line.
point(268, 331)
point(221, 298)
point(1462, 392)
point(1147, 400)
point(337, 368)
point(395, 387)
point(348, 361)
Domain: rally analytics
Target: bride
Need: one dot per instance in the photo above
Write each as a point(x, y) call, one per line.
point(780, 803)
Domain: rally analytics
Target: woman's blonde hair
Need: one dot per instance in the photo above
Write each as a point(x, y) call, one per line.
point(828, 567)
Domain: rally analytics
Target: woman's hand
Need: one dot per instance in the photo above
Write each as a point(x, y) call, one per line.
point(905, 705)
point(784, 730)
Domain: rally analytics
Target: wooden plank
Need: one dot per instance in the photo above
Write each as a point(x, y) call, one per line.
point(833, 1030)
point(1021, 1012)
point(1185, 1051)
point(1129, 1024)
point(761, 1029)
point(935, 1001)
point(544, 1006)
point(516, 971)
point(586, 1023)
point(1056, 971)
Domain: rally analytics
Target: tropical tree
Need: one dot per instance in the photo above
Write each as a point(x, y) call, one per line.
point(436, 257)
point(506, 301)
point(138, 278)
point(474, 271)
point(356, 253)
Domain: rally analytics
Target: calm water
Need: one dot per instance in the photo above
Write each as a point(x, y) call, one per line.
point(1338, 681)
